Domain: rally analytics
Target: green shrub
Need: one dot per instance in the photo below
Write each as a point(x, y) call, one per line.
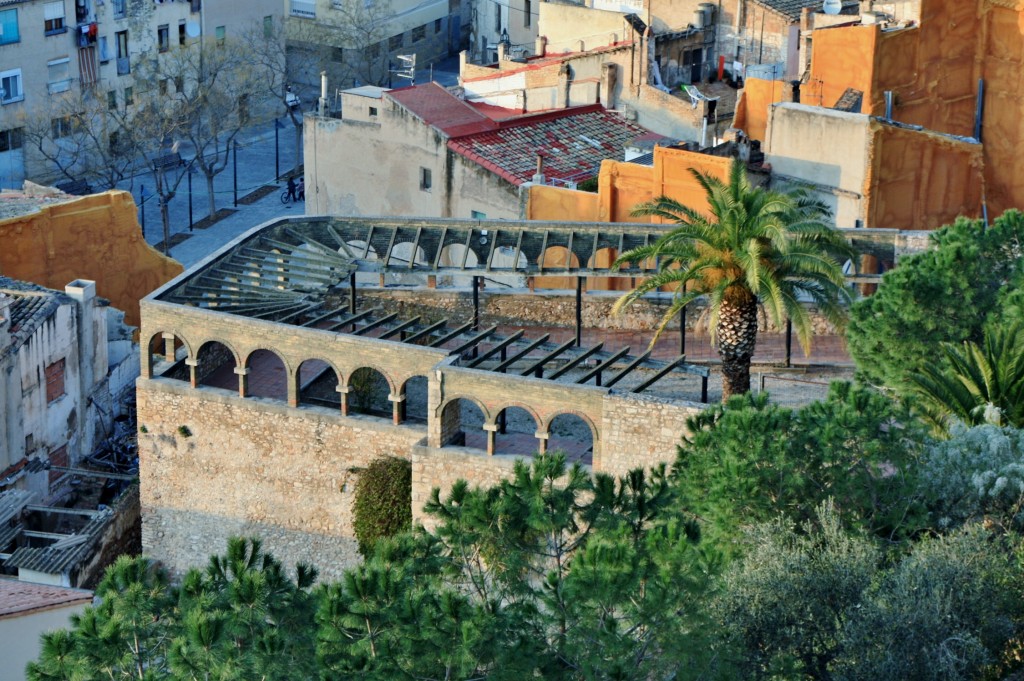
point(383, 504)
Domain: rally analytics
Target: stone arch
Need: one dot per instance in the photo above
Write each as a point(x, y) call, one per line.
point(451, 256)
point(573, 433)
point(316, 383)
point(368, 390)
point(479, 405)
point(162, 356)
point(605, 258)
point(267, 374)
point(515, 429)
point(215, 363)
point(518, 405)
point(557, 256)
point(462, 423)
point(415, 406)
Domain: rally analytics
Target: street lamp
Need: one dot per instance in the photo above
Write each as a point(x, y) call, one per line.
point(191, 169)
point(142, 206)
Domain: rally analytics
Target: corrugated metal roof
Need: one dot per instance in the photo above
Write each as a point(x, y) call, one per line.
point(790, 8)
point(20, 598)
point(12, 502)
point(69, 553)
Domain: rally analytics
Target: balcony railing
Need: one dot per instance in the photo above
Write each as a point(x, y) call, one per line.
point(124, 66)
point(303, 8)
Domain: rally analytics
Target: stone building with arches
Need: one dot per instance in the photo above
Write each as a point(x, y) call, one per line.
point(270, 378)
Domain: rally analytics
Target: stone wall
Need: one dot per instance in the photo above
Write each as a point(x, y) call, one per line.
point(434, 468)
point(213, 465)
point(640, 431)
point(539, 308)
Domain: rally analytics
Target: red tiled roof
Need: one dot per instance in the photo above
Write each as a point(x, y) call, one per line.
point(439, 108)
point(21, 598)
point(573, 143)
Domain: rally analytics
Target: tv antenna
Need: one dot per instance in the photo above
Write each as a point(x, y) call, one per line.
point(408, 69)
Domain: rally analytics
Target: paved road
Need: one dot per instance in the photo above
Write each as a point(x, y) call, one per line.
point(256, 169)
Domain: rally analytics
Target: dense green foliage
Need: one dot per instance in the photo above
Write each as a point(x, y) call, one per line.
point(945, 294)
point(383, 501)
point(978, 382)
point(754, 247)
point(750, 460)
point(835, 542)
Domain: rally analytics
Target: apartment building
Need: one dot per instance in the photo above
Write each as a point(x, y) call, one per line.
point(66, 48)
point(369, 42)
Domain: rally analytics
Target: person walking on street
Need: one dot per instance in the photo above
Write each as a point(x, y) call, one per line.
point(302, 189)
point(291, 189)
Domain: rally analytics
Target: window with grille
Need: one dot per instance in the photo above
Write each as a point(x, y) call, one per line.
point(54, 380)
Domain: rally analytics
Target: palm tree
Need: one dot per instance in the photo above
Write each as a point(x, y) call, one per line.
point(754, 247)
point(978, 383)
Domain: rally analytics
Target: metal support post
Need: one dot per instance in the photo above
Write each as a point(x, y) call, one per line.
point(579, 311)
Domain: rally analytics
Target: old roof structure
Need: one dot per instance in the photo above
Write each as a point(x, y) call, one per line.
point(572, 141)
point(22, 598)
point(30, 306)
point(790, 9)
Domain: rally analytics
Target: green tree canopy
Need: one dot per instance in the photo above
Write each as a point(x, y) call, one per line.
point(945, 294)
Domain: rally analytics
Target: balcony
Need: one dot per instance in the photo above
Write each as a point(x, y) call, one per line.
point(303, 8)
point(124, 66)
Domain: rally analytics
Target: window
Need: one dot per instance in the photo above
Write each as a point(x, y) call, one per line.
point(62, 126)
point(10, 139)
point(221, 34)
point(395, 41)
point(58, 75)
point(419, 33)
point(111, 99)
point(121, 38)
point(54, 381)
point(437, 25)
point(527, 10)
point(129, 96)
point(373, 111)
point(53, 18)
point(196, 5)
point(104, 49)
point(338, 54)
point(182, 37)
point(9, 26)
point(10, 86)
point(119, 8)
point(373, 52)
point(123, 63)
point(425, 179)
point(268, 27)
point(179, 83)
point(163, 38)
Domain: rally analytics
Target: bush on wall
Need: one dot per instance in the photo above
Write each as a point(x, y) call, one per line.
point(383, 504)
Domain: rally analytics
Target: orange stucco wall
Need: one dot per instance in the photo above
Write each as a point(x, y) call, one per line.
point(621, 186)
point(921, 180)
point(752, 106)
point(96, 237)
point(1003, 133)
point(931, 69)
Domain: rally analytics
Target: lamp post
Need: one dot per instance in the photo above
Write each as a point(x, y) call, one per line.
point(142, 206)
point(236, 173)
point(190, 171)
point(277, 149)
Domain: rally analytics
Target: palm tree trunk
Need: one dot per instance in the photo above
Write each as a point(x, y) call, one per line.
point(737, 333)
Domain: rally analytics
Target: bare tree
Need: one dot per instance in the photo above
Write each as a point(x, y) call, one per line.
point(210, 86)
point(82, 138)
point(281, 57)
point(363, 28)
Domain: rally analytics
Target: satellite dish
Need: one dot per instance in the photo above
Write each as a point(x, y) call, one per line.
point(192, 29)
point(832, 6)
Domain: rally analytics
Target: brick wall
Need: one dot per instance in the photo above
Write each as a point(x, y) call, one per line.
point(213, 465)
